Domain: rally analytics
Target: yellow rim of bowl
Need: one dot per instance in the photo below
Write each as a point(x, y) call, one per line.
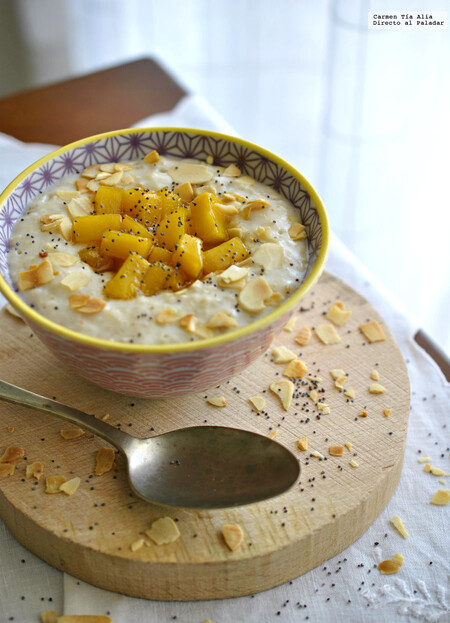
point(253, 327)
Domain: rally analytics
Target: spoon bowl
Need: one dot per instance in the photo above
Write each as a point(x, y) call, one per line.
point(196, 467)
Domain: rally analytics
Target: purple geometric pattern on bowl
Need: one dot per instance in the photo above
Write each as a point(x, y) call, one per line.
point(136, 145)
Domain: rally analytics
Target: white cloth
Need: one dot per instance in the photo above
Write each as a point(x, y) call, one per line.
point(346, 587)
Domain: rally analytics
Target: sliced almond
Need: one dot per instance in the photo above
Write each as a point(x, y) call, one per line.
point(245, 181)
point(348, 445)
point(258, 402)
point(313, 394)
point(282, 354)
point(152, 157)
point(67, 195)
point(71, 433)
point(222, 320)
point(102, 175)
point(192, 324)
point(35, 470)
point(264, 234)
point(295, 369)
point(232, 274)
point(91, 171)
point(80, 206)
point(137, 545)
point(290, 324)
point(317, 455)
point(112, 180)
point(85, 304)
point(163, 531)
point(441, 497)
point(185, 191)
point(255, 205)
point(193, 173)
point(122, 166)
point(269, 255)
point(297, 231)
point(63, 259)
point(353, 463)
point(387, 567)
point(217, 401)
point(302, 443)
point(233, 535)
point(376, 388)
point(254, 295)
point(336, 450)
point(166, 316)
point(363, 413)
point(338, 314)
point(70, 486)
point(303, 336)
point(398, 525)
point(273, 434)
point(327, 334)
point(226, 208)
point(284, 389)
point(75, 281)
point(35, 276)
point(374, 375)
point(53, 484)
point(11, 454)
point(423, 459)
point(387, 412)
point(127, 179)
point(6, 469)
point(81, 185)
point(104, 461)
point(275, 299)
point(232, 171)
point(372, 331)
point(437, 471)
point(340, 382)
point(337, 373)
point(427, 468)
point(93, 185)
point(227, 198)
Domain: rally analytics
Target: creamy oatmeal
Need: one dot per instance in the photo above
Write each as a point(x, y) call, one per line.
point(160, 250)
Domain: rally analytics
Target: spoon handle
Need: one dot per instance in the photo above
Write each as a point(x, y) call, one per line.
point(17, 395)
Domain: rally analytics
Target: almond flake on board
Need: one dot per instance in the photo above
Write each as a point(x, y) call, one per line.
point(297, 231)
point(85, 304)
point(258, 402)
point(137, 545)
point(317, 455)
point(303, 336)
point(423, 459)
point(165, 316)
point(63, 259)
point(152, 157)
point(376, 388)
point(340, 382)
point(53, 484)
point(80, 206)
point(338, 314)
point(71, 433)
point(295, 369)
point(336, 373)
point(398, 525)
point(375, 375)
point(104, 461)
point(254, 295)
point(372, 331)
point(387, 412)
point(282, 354)
point(363, 413)
point(222, 320)
point(163, 531)
point(76, 280)
point(441, 497)
point(313, 394)
point(70, 486)
point(192, 173)
point(233, 535)
point(353, 463)
point(36, 276)
point(290, 324)
point(6, 469)
point(302, 443)
point(232, 171)
point(350, 393)
point(11, 454)
point(348, 445)
point(284, 389)
point(185, 191)
point(437, 471)
point(269, 255)
point(327, 334)
point(35, 470)
point(273, 434)
point(336, 450)
point(387, 567)
point(217, 401)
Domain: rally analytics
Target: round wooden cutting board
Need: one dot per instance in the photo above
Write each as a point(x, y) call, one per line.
point(89, 534)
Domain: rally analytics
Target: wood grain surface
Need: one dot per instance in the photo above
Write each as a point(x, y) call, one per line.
point(90, 533)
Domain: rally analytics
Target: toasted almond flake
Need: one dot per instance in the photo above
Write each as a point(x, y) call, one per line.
point(81, 185)
point(11, 454)
point(227, 198)
point(376, 388)
point(427, 468)
point(53, 484)
point(35, 470)
point(350, 393)
point(423, 459)
point(137, 545)
point(70, 486)
point(372, 331)
point(185, 191)
point(441, 497)
point(336, 450)
point(10, 309)
point(85, 304)
point(314, 395)
point(338, 314)
point(6, 469)
point(222, 320)
point(353, 463)
point(165, 316)
point(75, 281)
point(192, 324)
point(316, 454)
point(233, 535)
point(228, 209)
point(264, 234)
point(258, 402)
point(36, 276)
point(65, 228)
point(281, 354)
point(322, 406)
point(363, 413)
point(297, 231)
point(387, 567)
point(290, 325)
point(71, 433)
point(254, 205)
point(152, 157)
point(387, 412)
point(284, 389)
point(254, 295)
point(122, 166)
point(348, 445)
point(102, 175)
point(163, 531)
point(84, 618)
point(269, 255)
point(232, 274)
point(193, 173)
point(67, 195)
point(81, 206)
point(340, 382)
point(49, 616)
point(273, 434)
point(437, 471)
point(104, 461)
point(336, 373)
point(375, 375)
point(303, 336)
point(327, 334)
point(63, 259)
point(295, 369)
point(232, 171)
point(127, 179)
point(93, 185)
point(112, 180)
point(302, 443)
point(91, 171)
point(217, 401)
point(398, 525)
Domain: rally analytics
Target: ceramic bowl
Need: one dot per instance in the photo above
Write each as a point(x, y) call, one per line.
point(156, 371)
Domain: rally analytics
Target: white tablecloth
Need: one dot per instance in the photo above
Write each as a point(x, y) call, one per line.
point(346, 587)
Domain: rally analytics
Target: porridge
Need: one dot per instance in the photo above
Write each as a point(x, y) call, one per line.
point(157, 251)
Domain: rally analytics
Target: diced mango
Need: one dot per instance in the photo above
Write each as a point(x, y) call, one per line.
point(91, 228)
point(170, 230)
point(96, 260)
point(131, 226)
point(158, 254)
point(167, 201)
point(188, 255)
point(108, 200)
point(129, 279)
point(141, 205)
point(219, 258)
point(119, 244)
point(208, 223)
point(159, 276)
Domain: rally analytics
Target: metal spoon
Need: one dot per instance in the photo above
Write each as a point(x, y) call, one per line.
point(197, 467)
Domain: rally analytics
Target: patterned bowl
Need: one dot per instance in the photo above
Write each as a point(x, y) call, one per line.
point(156, 371)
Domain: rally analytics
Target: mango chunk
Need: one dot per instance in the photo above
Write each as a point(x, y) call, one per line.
point(208, 223)
point(219, 258)
point(96, 260)
point(118, 244)
point(160, 276)
point(158, 254)
point(188, 255)
point(171, 229)
point(91, 228)
point(142, 205)
point(131, 226)
point(129, 278)
point(108, 200)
